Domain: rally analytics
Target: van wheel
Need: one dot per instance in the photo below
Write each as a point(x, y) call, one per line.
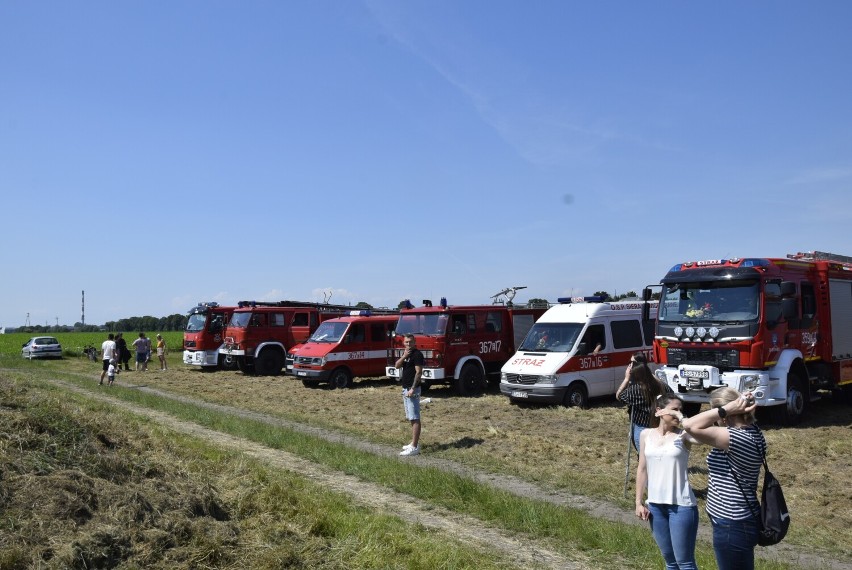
point(269, 363)
point(339, 378)
point(471, 381)
point(793, 410)
point(576, 396)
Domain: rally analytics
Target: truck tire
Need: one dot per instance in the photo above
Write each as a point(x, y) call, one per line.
point(269, 363)
point(471, 380)
point(791, 413)
point(576, 396)
point(340, 378)
point(243, 366)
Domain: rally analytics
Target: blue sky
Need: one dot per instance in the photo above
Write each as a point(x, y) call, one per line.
point(157, 154)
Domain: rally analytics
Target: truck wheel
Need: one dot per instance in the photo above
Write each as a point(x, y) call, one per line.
point(471, 381)
point(269, 363)
point(244, 367)
point(791, 413)
point(339, 378)
point(576, 396)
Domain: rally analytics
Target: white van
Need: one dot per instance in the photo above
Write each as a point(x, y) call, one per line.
point(579, 349)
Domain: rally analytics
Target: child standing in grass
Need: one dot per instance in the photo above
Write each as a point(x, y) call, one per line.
point(112, 370)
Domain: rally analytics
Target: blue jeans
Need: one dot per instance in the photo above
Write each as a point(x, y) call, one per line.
point(637, 431)
point(675, 528)
point(734, 542)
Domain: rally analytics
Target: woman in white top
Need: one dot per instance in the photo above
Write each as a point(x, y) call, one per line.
point(671, 506)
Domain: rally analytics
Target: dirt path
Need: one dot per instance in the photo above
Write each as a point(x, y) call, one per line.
point(526, 553)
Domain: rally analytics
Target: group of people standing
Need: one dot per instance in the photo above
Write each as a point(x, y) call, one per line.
point(664, 436)
point(116, 352)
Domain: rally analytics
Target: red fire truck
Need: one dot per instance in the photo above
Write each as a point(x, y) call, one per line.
point(462, 345)
point(778, 327)
point(259, 334)
point(344, 348)
point(203, 335)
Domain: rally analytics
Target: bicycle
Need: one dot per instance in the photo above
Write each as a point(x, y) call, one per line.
point(91, 352)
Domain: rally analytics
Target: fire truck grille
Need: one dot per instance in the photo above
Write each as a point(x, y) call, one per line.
point(189, 344)
point(720, 358)
point(521, 378)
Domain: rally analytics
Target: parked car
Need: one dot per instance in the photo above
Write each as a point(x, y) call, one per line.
point(42, 347)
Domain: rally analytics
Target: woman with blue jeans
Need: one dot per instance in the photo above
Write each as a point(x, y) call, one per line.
point(671, 506)
point(734, 467)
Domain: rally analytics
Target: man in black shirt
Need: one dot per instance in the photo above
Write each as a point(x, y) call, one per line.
point(411, 366)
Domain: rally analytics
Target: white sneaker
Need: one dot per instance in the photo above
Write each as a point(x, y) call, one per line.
point(411, 451)
point(407, 446)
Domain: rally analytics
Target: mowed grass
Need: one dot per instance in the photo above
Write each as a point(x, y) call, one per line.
point(86, 486)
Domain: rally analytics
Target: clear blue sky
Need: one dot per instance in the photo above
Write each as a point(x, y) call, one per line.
point(157, 154)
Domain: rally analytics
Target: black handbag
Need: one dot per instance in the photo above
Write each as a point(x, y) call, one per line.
point(773, 518)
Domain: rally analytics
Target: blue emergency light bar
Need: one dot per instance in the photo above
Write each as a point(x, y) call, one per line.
point(361, 313)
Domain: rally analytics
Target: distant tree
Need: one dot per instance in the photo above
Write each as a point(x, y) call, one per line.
point(363, 305)
point(603, 294)
point(537, 302)
point(403, 304)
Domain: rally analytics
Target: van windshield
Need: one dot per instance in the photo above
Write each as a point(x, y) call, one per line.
point(552, 337)
point(329, 332)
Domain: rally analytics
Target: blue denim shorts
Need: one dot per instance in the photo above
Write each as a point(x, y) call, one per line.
point(412, 404)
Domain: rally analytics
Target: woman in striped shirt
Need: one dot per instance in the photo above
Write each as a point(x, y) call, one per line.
point(734, 466)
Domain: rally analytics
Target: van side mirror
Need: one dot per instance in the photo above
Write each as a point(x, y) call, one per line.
point(646, 294)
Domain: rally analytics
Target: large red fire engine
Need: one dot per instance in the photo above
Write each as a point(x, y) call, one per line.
point(203, 335)
point(780, 328)
point(259, 334)
point(462, 345)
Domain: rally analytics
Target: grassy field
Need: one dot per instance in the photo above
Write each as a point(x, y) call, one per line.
point(581, 451)
point(73, 342)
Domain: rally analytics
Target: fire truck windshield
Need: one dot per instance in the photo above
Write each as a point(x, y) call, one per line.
point(240, 320)
point(710, 301)
point(552, 337)
point(329, 332)
point(430, 324)
point(196, 323)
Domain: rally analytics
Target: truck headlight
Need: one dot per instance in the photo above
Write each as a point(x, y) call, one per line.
point(749, 382)
point(547, 379)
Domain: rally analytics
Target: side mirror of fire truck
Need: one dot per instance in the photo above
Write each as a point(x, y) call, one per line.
point(788, 289)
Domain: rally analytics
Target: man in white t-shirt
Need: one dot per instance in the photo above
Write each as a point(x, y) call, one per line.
point(108, 353)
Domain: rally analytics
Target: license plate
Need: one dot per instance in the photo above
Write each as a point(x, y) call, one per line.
point(517, 394)
point(696, 374)
point(301, 373)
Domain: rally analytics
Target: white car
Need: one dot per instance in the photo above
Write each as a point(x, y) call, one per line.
point(42, 347)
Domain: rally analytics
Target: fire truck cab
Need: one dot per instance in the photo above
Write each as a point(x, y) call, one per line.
point(344, 348)
point(258, 335)
point(780, 328)
point(204, 334)
point(577, 350)
point(462, 345)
